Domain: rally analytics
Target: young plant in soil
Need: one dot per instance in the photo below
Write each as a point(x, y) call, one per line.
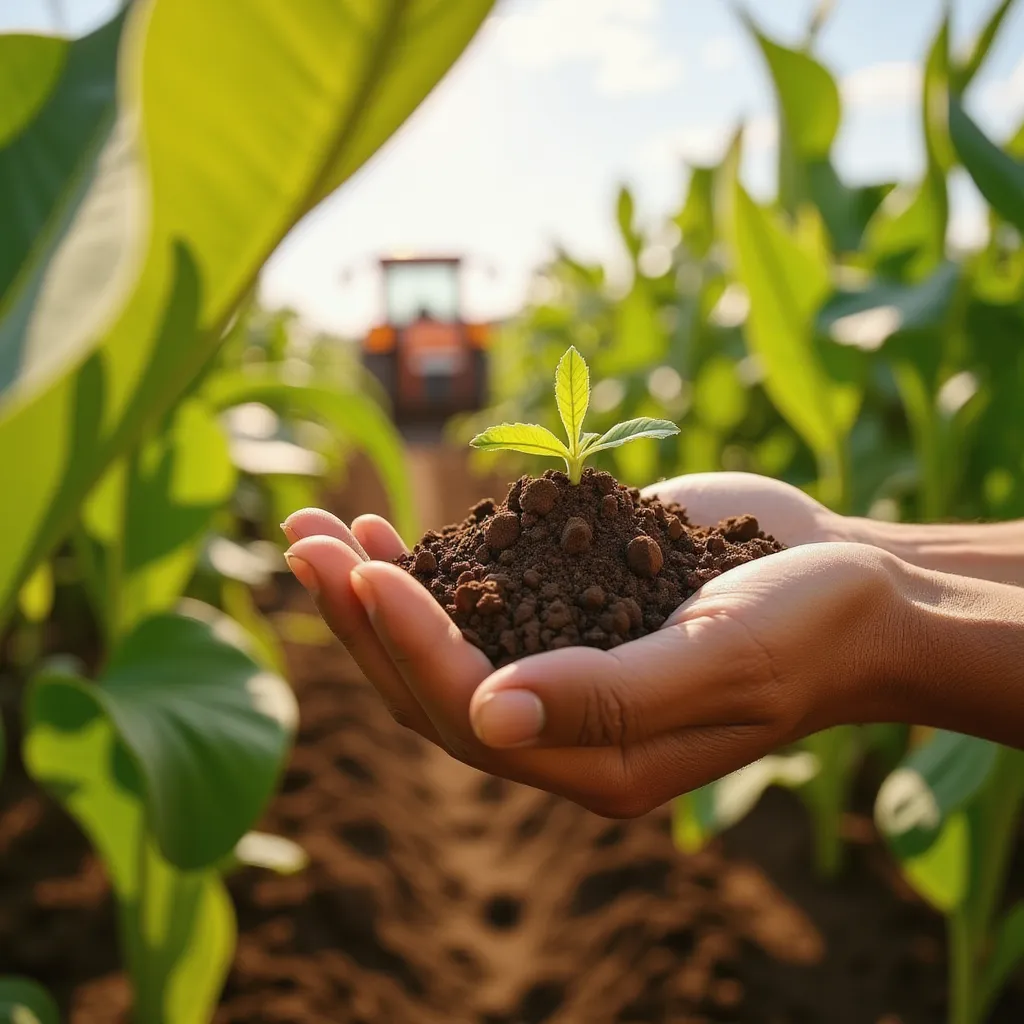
point(573, 558)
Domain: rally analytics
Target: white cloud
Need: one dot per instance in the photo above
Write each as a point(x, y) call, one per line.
point(619, 38)
point(895, 84)
point(1005, 96)
point(720, 53)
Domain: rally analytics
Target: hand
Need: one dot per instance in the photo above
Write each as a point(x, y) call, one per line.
point(781, 509)
point(761, 656)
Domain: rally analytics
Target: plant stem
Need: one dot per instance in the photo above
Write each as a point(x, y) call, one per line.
point(575, 469)
point(962, 1001)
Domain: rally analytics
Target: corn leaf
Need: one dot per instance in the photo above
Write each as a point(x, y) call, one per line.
point(1000, 178)
point(1006, 954)
point(631, 430)
point(520, 437)
point(572, 393)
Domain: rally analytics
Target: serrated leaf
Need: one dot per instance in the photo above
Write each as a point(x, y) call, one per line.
point(572, 393)
point(631, 430)
point(520, 437)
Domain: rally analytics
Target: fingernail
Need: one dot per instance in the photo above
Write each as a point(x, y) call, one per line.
point(304, 573)
point(508, 718)
point(290, 535)
point(363, 589)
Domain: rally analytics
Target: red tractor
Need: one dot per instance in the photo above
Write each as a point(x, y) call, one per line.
point(430, 361)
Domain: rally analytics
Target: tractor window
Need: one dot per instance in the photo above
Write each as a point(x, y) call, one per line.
point(416, 288)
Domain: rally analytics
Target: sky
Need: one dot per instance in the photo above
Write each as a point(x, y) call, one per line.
point(523, 146)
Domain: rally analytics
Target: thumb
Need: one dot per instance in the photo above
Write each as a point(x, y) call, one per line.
point(694, 673)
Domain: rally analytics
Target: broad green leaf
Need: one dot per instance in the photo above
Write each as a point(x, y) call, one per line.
point(572, 393)
point(933, 782)
point(786, 284)
point(29, 69)
point(177, 483)
point(941, 873)
point(520, 437)
point(69, 205)
point(1007, 953)
point(241, 141)
point(632, 430)
point(1000, 178)
point(809, 112)
point(23, 1001)
point(351, 415)
point(36, 597)
point(177, 929)
point(205, 727)
point(867, 319)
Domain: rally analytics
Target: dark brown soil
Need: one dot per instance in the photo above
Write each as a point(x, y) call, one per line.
point(558, 565)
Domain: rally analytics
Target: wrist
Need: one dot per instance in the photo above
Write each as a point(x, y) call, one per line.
point(956, 655)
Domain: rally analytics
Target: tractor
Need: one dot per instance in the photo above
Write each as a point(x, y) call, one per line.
point(429, 360)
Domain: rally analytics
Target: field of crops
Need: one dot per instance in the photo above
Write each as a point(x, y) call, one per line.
point(206, 813)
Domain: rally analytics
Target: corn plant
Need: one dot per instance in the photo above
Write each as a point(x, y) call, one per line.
point(123, 271)
point(950, 814)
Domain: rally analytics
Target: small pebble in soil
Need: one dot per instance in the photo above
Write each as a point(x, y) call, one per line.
point(556, 565)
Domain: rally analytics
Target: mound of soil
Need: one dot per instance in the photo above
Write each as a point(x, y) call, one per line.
point(559, 565)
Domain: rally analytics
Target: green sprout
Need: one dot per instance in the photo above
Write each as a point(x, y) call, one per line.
point(572, 393)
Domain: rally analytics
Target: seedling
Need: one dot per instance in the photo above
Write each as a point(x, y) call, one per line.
point(572, 394)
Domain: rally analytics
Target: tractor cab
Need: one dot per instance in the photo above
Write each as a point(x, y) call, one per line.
point(430, 361)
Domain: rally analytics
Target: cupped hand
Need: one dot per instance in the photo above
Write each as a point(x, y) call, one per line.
point(761, 656)
point(781, 509)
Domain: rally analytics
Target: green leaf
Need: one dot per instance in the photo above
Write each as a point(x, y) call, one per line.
point(933, 782)
point(971, 63)
point(206, 728)
point(631, 430)
point(520, 437)
point(625, 213)
point(696, 220)
point(809, 112)
point(787, 280)
point(572, 393)
point(29, 69)
point(68, 192)
point(36, 597)
point(23, 1001)
point(719, 399)
point(941, 873)
point(349, 414)
point(1007, 952)
point(1000, 178)
point(177, 929)
point(907, 237)
point(241, 141)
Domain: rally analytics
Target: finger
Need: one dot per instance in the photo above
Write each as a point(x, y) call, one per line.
point(378, 538)
point(317, 522)
point(682, 676)
point(327, 564)
point(443, 670)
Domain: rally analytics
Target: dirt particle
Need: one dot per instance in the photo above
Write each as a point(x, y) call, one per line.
point(593, 598)
point(644, 556)
point(576, 536)
point(502, 531)
point(674, 528)
point(490, 604)
point(609, 506)
point(739, 528)
point(539, 496)
point(466, 597)
point(425, 563)
point(531, 579)
point(557, 615)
